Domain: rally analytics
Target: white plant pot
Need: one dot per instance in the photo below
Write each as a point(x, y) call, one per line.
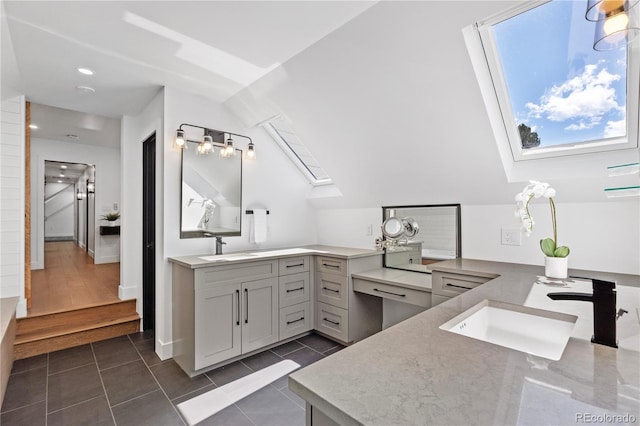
point(556, 267)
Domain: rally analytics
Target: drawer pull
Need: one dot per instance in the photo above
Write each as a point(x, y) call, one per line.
point(458, 286)
point(290, 290)
point(294, 321)
point(332, 322)
point(330, 289)
point(294, 266)
point(328, 265)
point(389, 292)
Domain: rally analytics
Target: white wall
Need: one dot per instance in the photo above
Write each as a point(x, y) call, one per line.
point(59, 210)
point(12, 169)
point(602, 236)
point(107, 179)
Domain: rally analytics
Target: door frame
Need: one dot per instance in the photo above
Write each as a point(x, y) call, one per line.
point(149, 233)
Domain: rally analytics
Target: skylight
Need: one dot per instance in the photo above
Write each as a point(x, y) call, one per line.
point(282, 132)
point(557, 95)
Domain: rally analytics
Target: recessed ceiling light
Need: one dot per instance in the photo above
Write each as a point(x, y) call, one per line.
point(85, 89)
point(59, 181)
point(73, 136)
point(85, 71)
point(61, 174)
point(33, 126)
point(63, 166)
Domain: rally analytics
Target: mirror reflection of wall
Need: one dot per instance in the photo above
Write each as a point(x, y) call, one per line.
point(439, 237)
point(211, 202)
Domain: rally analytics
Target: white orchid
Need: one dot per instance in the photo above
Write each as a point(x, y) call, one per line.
point(533, 190)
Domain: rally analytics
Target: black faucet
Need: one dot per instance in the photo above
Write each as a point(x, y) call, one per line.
point(604, 310)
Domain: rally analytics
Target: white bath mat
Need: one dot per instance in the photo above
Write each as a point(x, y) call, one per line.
point(206, 405)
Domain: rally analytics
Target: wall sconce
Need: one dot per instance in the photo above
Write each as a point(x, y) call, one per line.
point(613, 22)
point(91, 187)
point(211, 139)
point(79, 195)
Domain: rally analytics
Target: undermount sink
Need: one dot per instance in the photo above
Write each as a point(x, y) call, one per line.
point(529, 330)
point(232, 256)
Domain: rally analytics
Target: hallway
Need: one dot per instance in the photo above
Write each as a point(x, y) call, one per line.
point(71, 280)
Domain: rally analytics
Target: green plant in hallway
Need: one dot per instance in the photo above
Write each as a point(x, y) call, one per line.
point(111, 217)
point(535, 189)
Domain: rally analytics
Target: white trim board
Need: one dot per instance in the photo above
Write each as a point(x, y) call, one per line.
point(206, 405)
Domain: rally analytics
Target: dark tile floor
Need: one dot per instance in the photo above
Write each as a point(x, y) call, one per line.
point(122, 381)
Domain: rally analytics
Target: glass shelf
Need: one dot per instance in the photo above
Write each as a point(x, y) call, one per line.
point(625, 191)
point(623, 169)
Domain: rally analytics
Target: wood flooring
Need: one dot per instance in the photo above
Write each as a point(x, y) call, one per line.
point(71, 280)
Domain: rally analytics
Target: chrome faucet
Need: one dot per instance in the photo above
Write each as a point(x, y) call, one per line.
point(604, 309)
point(219, 244)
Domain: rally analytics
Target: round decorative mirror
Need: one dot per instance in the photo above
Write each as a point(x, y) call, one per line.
point(411, 227)
point(393, 228)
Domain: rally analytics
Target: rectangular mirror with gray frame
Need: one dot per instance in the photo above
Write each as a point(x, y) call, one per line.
point(430, 233)
point(211, 194)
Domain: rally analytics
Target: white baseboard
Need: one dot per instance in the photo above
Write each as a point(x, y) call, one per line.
point(127, 292)
point(106, 259)
point(165, 350)
point(37, 265)
point(91, 253)
point(21, 308)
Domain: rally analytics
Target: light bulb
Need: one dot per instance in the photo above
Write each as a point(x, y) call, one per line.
point(208, 143)
point(616, 23)
point(251, 152)
point(180, 142)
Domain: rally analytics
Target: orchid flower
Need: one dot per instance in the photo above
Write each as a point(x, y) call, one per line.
point(533, 190)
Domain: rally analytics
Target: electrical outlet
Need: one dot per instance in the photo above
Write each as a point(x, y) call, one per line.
point(511, 237)
point(115, 206)
point(369, 229)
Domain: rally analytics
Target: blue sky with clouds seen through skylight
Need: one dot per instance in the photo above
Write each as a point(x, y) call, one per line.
point(557, 84)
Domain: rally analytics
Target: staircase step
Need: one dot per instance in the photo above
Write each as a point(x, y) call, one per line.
point(76, 317)
point(61, 330)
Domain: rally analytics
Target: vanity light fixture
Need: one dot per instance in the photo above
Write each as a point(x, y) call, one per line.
point(211, 139)
point(613, 22)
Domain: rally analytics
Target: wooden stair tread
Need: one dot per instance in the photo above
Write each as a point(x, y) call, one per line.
point(87, 307)
point(61, 330)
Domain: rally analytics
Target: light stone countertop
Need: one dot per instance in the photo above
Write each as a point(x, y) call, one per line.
point(196, 261)
point(420, 281)
point(414, 373)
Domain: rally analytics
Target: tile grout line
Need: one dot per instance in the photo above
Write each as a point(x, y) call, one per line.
point(104, 389)
point(157, 382)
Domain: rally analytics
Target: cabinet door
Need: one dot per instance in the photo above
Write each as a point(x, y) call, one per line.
point(259, 314)
point(217, 324)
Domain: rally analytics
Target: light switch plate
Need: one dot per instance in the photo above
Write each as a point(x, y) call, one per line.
point(511, 237)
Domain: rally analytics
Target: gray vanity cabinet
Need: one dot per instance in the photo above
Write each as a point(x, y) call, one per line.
point(220, 312)
point(296, 314)
point(341, 313)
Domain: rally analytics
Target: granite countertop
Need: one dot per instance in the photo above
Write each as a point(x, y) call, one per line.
point(416, 373)
point(197, 261)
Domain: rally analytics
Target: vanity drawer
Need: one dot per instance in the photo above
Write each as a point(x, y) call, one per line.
point(332, 321)
point(294, 289)
point(331, 265)
point(295, 319)
point(293, 265)
point(238, 272)
point(333, 289)
point(401, 294)
point(447, 284)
